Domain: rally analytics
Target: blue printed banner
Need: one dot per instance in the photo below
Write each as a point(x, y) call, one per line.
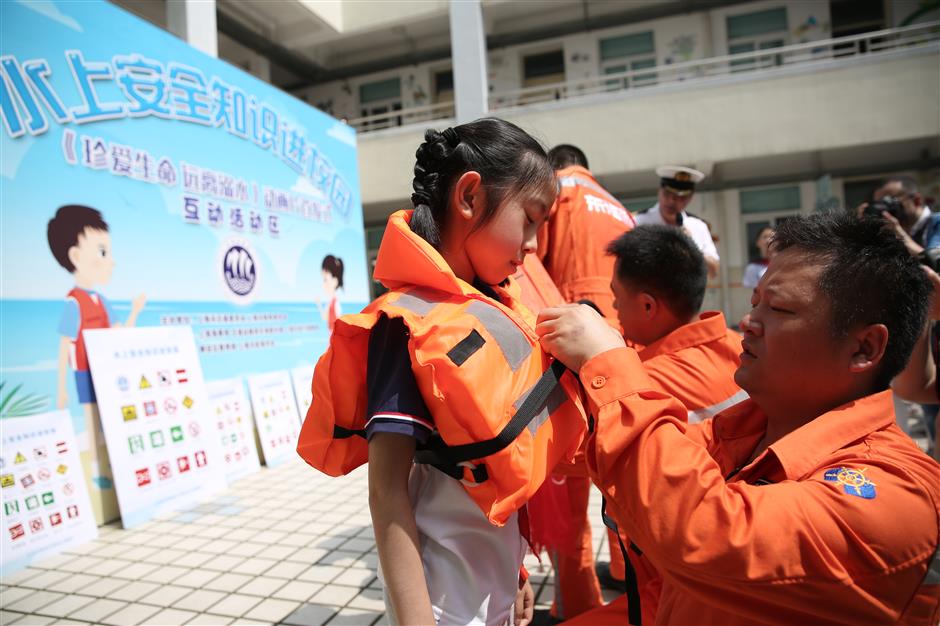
point(145, 183)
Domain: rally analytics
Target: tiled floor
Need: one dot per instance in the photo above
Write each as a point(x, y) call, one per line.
point(284, 546)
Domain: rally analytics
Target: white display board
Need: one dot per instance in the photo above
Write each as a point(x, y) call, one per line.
point(272, 399)
point(45, 499)
point(302, 377)
point(234, 427)
point(156, 419)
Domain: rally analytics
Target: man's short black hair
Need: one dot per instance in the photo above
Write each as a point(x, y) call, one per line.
point(908, 184)
point(869, 278)
point(663, 261)
point(565, 155)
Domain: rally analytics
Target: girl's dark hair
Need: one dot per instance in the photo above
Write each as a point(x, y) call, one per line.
point(510, 162)
point(334, 265)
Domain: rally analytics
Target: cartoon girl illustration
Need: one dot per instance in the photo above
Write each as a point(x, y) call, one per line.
point(332, 272)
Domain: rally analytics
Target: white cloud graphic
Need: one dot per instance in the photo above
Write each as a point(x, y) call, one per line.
point(50, 10)
point(343, 133)
point(304, 186)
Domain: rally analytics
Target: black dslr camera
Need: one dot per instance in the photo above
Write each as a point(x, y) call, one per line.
point(887, 203)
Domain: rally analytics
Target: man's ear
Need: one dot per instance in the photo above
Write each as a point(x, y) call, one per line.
point(467, 196)
point(650, 305)
point(870, 344)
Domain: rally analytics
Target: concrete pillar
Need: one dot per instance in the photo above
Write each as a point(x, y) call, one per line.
point(468, 53)
point(193, 21)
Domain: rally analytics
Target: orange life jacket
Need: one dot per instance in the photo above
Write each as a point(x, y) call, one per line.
point(504, 412)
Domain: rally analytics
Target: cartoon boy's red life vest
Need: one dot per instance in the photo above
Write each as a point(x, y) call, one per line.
point(91, 314)
point(505, 413)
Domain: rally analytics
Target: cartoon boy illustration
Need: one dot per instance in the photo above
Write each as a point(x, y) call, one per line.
point(80, 242)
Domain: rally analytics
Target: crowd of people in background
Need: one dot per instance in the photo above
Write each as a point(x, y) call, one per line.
point(748, 478)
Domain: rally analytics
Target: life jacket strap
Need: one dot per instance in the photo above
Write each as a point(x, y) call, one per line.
point(470, 474)
point(634, 616)
point(345, 433)
point(452, 460)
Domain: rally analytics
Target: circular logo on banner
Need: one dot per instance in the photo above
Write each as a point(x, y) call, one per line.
point(239, 268)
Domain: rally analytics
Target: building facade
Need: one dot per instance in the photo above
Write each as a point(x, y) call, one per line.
point(789, 107)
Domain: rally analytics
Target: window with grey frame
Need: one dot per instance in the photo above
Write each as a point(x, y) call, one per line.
point(766, 207)
point(630, 52)
point(378, 97)
point(761, 30)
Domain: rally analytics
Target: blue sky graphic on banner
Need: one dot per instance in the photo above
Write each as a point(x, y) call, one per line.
point(223, 197)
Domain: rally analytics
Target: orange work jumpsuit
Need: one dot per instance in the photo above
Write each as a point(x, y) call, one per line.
point(573, 241)
point(694, 364)
point(835, 523)
point(573, 248)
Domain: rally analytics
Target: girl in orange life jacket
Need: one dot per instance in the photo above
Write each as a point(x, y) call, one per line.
point(451, 363)
point(481, 192)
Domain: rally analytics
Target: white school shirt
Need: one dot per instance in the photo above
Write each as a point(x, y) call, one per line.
point(471, 566)
point(697, 229)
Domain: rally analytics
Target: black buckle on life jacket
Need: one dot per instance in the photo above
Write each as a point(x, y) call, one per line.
point(470, 474)
point(454, 460)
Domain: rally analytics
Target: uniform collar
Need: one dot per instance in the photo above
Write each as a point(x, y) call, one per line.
point(406, 260)
point(806, 449)
point(921, 222)
point(575, 170)
point(710, 326)
point(659, 214)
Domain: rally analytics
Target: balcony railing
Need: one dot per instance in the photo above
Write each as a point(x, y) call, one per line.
point(867, 44)
point(402, 117)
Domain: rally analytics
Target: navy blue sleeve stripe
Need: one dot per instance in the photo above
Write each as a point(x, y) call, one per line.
point(401, 417)
point(394, 402)
point(411, 428)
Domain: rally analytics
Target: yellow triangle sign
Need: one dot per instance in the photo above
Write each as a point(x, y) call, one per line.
point(144, 383)
point(20, 458)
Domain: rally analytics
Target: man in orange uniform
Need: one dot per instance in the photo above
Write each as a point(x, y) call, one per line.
point(572, 243)
point(659, 283)
point(804, 504)
point(572, 247)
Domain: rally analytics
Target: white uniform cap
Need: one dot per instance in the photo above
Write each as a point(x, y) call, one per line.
point(678, 179)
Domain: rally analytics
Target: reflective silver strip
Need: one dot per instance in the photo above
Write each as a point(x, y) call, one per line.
point(415, 302)
point(933, 571)
point(700, 415)
point(575, 181)
point(512, 342)
point(555, 399)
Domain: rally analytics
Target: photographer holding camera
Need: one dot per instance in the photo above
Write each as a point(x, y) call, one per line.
point(899, 202)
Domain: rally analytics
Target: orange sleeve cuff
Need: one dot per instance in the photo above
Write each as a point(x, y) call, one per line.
point(612, 375)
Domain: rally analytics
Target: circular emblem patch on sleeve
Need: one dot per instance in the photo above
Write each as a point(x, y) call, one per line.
point(853, 481)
